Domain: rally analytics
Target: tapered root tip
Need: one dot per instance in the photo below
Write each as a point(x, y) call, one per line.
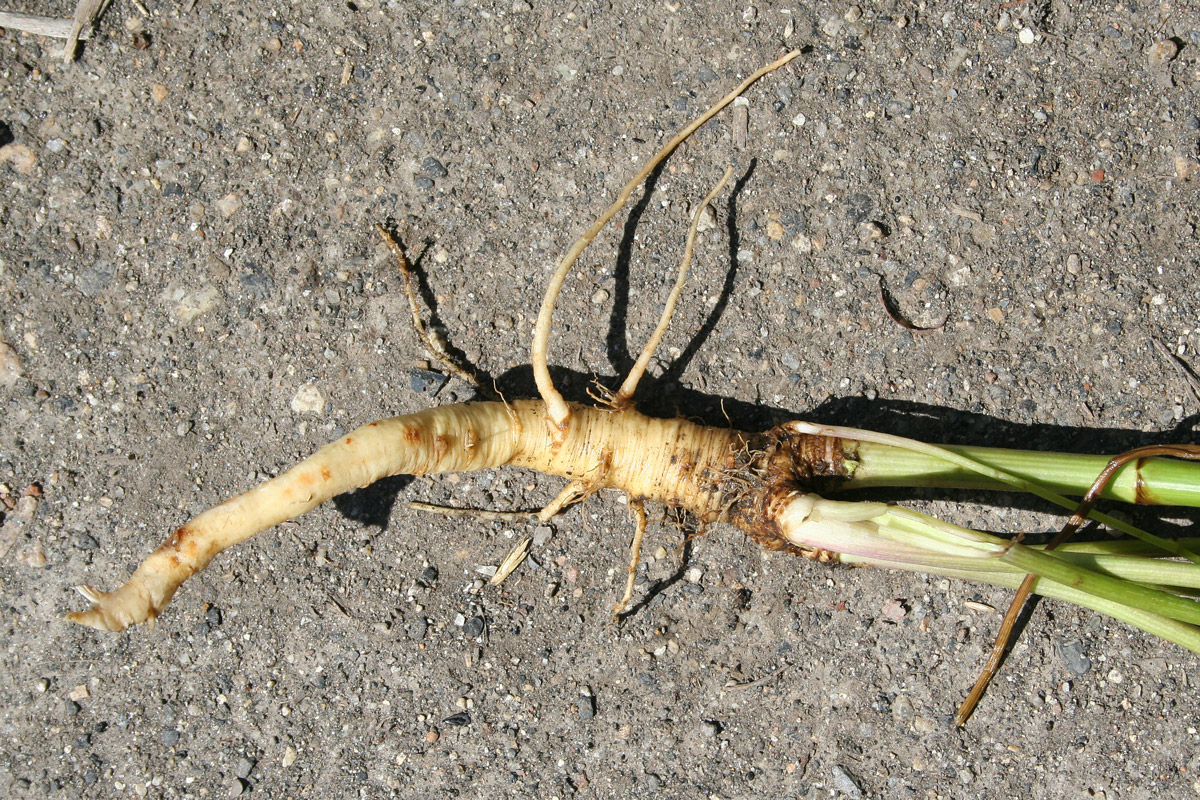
point(116, 610)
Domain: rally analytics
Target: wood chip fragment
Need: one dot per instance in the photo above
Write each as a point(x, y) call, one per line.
point(966, 213)
point(741, 122)
point(50, 27)
point(16, 522)
point(86, 13)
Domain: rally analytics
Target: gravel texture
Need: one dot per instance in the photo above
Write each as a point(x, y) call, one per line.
point(192, 297)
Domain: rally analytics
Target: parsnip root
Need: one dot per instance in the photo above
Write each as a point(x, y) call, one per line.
point(674, 461)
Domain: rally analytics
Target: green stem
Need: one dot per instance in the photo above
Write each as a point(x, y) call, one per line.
point(1139, 569)
point(1125, 547)
point(1163, 481)
point(855, 440)
point(1180, 633)
point(1048, 567)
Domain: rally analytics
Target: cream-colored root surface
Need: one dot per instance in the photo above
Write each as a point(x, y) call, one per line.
point(675, 461)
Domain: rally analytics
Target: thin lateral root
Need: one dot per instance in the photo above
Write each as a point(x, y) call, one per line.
point(574, 492)
point(557, 410)
point(635, 555)
point(476, 513)
point(435, 349)
point(625, 393)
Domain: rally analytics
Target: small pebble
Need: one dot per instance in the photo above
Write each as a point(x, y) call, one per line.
point(32, 554)
point(191, 304)
point(434, 168)
point(708, 219)
point(710, 728)
point(1073, 656)
point(1161, 53)
point(541, 536)
point(432, 736)
point(871, 231)
point(427, 381)
point(158, 92)
point(10, 366)
point(694, 575)
point(474, 626)
point(308, 400)
point(244, 767)
point(229, 205)
point(289, 757)
point(599, 297)
point(1026, 36)
point(845, 783)
point(238, 786)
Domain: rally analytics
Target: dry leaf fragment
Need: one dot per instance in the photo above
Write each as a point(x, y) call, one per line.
point(511, 561)
point(893, 311)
